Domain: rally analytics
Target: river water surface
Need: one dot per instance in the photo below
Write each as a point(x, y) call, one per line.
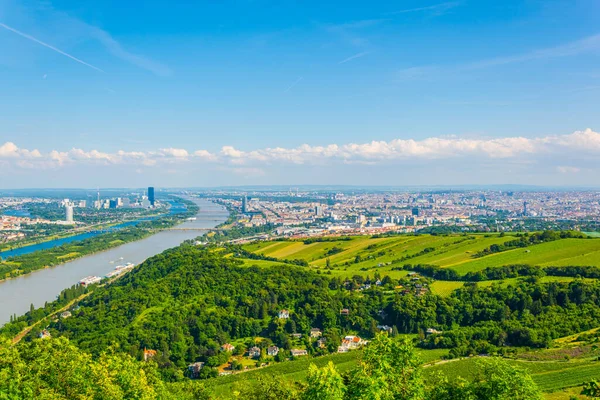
point(17, 294)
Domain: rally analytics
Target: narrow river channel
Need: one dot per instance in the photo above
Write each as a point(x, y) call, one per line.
point(16, 295)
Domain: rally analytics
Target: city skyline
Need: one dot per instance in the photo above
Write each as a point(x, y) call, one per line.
point(261, 93)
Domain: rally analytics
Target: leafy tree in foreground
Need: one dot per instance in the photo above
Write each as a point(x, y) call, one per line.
point(56, 369)
point(389, 369)
point(499, 380)
point(591, 389)
point(324, 384)
point(268, 388)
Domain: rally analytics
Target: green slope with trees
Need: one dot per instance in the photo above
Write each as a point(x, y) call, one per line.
point(187, 302)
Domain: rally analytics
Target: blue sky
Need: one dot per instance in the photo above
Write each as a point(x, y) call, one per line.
point(275, 92)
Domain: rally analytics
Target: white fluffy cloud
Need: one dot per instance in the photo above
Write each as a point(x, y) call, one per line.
point(10, 150)
point(578, 144)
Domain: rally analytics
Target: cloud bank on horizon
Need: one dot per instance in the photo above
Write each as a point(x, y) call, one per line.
point(578, 147)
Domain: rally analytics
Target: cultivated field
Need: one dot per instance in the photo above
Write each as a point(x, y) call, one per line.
point(364, 255)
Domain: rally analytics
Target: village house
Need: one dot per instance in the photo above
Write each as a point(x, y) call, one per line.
point(385, 328)
point(322, 343)
point(254, 352)
point(148, 354)
point(65, 314)
point(315, 333)
point(228, 347)
point(296, 335)
point(284, 314)
point(45, 334)
point(344, 311)
point(272, 351)
point(351, 343)
point(194, 369)
point(432, 331)
point(298, 352)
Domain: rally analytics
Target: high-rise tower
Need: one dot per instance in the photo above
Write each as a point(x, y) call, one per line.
point(69, 213)
point(151, 195)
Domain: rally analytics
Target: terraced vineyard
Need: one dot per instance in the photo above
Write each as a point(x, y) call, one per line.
point(551, 377)
point(364, 254)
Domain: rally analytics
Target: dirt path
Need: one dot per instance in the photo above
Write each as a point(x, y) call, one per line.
point(441, 362)
point(25, 331)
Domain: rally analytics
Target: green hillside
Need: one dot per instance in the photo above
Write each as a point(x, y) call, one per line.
point(188, 302)
point(462, 253)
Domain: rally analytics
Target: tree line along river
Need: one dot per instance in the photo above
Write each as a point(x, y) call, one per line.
point(38, 287)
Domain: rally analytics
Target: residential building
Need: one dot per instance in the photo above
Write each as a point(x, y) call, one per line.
point(194, 369)
point(385, 328)
point(298, 352)
point(254, 352)
point(272, 351)
point(351, 343)
point(228, 347)
point(315, 333)
point(148, 354)
point(45, 334)
point(65, 314)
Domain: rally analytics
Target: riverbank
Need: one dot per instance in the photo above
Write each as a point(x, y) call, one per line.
point(93, 243)
point(21, 244)
point(42, 286)
point(64, 302)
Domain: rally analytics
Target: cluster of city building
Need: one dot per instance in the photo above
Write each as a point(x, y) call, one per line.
point(318, 212)
point(146, 201)
point(14, 217)
point(13, 220)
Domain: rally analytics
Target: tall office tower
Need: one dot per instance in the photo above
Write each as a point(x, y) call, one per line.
point(69, 213)
point(151, 195)
point(245, 204)
point(319, 211)
point(524, 208)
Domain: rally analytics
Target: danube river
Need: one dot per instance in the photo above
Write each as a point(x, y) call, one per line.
point(17, 294)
